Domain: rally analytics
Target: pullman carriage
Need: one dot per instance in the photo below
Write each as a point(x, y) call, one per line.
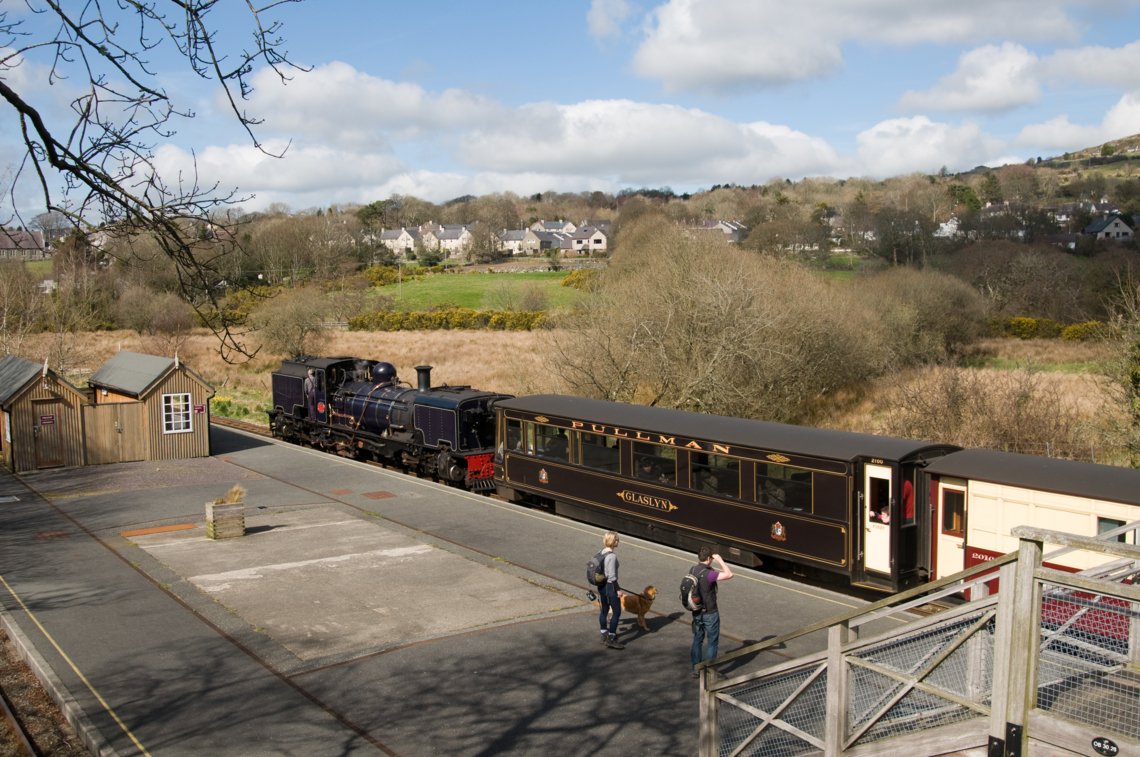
point(838, 502)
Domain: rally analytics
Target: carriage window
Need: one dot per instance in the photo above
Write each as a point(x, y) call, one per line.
point(783, 486)
point(1108, 524)
point(514, 435)
point(715, 474)
point(655, 463)
point(953, 512)
point(552, 442)
point(600, 452)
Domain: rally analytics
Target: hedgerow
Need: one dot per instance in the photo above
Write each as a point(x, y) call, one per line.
point(448, 319)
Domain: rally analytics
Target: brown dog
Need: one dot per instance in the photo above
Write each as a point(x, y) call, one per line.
point(640, 604)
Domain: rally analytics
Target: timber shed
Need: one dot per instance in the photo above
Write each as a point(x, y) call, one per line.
point(146, 407)
point(41, 416)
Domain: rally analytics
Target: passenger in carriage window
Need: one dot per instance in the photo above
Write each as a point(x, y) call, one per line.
point(706, 481)
point(648, 470)
point(557, 446)
point(771, 493)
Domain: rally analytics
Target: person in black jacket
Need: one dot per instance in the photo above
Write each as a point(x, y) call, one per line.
point(710, 571)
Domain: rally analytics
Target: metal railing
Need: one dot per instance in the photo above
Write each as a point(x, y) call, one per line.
point(1054, 658)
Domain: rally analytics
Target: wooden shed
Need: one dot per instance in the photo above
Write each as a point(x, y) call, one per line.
point(146, 407)
point(41, 415)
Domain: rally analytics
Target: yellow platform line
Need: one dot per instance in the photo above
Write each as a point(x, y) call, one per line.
point(99, 697)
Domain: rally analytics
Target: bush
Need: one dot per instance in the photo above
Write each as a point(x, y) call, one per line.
point(1024, 327)
point(1086, 332)
point(582, 279)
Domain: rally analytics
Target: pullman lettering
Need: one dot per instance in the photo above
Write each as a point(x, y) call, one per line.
point(641, 436)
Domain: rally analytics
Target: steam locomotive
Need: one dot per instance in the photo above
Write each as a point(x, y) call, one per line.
point(359, 408)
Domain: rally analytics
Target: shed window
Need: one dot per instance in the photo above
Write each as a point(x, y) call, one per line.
point(176, 411)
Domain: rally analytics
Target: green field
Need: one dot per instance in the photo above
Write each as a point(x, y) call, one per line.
point(539, 290)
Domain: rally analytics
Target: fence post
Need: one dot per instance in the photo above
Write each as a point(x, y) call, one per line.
point(708, 738)
point(1021, 598)
point(836, 712)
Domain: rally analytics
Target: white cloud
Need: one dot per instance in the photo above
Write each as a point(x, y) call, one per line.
point(338, 103)
point(732, 44)
point(1059, 133)
point(640, 143)
point(605, 17)
point(905, 145)
point(1098, 66)
point(989, 78)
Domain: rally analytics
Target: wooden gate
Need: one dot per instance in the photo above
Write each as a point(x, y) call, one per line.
point(115, 432)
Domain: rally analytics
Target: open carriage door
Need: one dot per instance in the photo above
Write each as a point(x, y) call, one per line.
point(876, 518)
point(950, 530)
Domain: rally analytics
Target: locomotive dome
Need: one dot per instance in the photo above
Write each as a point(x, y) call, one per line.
point(384, 373)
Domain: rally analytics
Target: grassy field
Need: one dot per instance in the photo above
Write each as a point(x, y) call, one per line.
point(537, 290)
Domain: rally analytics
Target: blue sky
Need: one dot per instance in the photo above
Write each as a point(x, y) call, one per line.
point(441, 99)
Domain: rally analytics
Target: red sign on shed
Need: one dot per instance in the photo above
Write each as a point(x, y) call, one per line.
point(47, 420)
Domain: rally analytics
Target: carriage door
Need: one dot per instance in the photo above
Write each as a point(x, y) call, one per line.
point(951, 524)
point(876, 518)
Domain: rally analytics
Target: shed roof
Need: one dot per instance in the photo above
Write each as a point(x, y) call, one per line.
point(131, 373)
point(15, 373)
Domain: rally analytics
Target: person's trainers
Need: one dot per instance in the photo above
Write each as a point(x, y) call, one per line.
point(613, 643)
point(695, 674)
point(605, 638)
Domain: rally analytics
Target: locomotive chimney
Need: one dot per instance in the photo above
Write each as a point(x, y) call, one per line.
point(423, 378)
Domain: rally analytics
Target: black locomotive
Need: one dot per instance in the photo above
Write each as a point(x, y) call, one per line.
point(359, 408)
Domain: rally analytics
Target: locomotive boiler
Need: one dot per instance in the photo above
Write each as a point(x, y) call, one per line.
point(359, 408)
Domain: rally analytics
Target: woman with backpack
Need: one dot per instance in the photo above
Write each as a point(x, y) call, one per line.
point(609, 595)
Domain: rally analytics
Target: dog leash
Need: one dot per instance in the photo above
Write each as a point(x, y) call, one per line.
point(590, 595)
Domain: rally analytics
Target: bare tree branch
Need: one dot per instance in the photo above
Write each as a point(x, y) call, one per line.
point(105, 157)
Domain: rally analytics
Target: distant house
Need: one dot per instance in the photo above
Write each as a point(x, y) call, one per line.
point(551, 240)
point(400, 240)
point(588, 240)
point(554, 226)
point(733, 231)
point(18, 244)
point(1112, 228)
point(454, 239)
point(147, 407)
point(518, 241)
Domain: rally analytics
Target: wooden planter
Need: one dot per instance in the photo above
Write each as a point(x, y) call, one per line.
point(225, 521)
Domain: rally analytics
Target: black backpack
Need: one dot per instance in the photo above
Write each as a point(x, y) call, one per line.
point(596, 570)
point(691, 588)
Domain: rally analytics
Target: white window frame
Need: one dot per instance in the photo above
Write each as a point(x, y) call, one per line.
point(177, 420)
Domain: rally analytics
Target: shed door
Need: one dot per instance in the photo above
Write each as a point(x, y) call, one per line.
point(876, 518)
point(47, 428)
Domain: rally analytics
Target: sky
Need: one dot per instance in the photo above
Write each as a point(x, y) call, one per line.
point(439, 99)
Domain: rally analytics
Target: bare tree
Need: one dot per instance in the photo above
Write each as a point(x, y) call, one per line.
point(104, 150)
point(691, 322)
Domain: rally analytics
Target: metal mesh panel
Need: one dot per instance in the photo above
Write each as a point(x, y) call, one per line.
point(796, 698)
point(1084, 671)
point(931, 670)
point(905, 684)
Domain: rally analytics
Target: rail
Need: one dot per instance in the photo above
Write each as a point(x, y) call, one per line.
point(1053, 659)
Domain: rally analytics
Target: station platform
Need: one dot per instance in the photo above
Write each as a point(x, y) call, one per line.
point(362, 611)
